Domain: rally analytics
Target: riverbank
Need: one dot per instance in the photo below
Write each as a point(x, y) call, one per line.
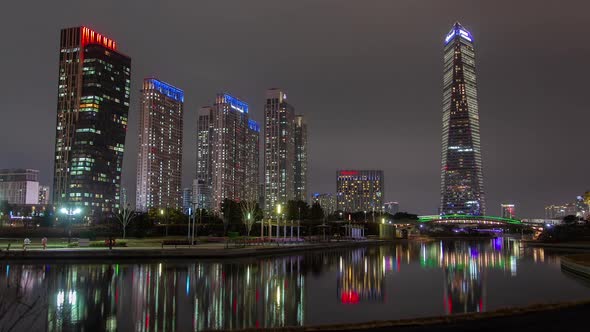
point(199, 251)
point(570, 316)
point(577, 264)
point(559, 245)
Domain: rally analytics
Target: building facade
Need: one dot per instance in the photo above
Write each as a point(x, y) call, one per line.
point(251, 183)
point(327, 201)
point(44, 192)
point(92, 111)
point(279, 150)
point(359, 190)
point(508, 211)
point(461, 168)
point(391, 207)
point(159, 164)
point(560, 211)
point(187, 200)
point(227, 166)
point(19, 186)
point(300, 172)
point(203, 182)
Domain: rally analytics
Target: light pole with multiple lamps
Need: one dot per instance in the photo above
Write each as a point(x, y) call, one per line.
point(71, 213)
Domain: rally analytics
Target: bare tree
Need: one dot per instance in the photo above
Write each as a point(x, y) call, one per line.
point(125, 217)
point(248, 214)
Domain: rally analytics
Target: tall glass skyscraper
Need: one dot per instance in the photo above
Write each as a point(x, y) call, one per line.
point(461, 168)
point(159, 164)
point(92, 110)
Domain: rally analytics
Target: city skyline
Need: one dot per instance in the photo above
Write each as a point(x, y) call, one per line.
point(504, 125)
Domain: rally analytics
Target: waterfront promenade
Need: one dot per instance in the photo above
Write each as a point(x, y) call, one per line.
point(201, 250)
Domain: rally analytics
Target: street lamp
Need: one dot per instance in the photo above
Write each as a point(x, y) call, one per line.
point(71, 213)
point(278, 218)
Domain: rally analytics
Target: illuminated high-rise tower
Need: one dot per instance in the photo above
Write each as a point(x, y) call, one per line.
point(92, 109)
point(159, 164)
point(461, 168)
point(300, 131)
point(279, 150)
point(227, 154)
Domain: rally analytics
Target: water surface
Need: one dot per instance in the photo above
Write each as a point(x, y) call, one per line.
point(336, 286)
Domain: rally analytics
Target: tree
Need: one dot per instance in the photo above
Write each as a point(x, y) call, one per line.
point(316, 213)
point(297, 210)
point(125, 217)
point(249, 214)
point(405, 215)
point(570, 219)
point(231, 214)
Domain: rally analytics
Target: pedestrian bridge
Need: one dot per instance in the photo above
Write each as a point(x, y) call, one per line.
point(469, 219)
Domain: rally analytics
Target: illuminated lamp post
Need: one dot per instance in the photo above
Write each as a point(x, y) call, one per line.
point(278, 218)
point(71, 213)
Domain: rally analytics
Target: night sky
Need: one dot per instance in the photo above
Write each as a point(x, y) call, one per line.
point(366, 74)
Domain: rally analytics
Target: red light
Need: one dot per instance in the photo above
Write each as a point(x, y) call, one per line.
point(348, 173)
point(350, 297)
point(92, 37)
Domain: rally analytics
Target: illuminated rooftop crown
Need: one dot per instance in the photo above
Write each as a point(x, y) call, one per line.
point(458, 31)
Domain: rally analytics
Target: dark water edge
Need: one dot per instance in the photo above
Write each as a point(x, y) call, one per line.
point(339, 286)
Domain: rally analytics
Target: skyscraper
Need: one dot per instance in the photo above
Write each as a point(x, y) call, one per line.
point(203, 182)
point(279, 150)
point(159, 164)
point(359, 190)
point(92, 109)
point(300, 131)
point(252, 162)
point(227, 150)
point(461, 168)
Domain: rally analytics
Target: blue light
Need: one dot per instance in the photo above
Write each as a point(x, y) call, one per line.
point(253, 125)
point(235, 103)
point(168, 90)
point(458, 30)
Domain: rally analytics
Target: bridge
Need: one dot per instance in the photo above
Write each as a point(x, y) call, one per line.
point(457, 219)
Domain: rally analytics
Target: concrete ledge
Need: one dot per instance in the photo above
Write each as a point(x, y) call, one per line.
point(157, 253)
point(573, 264)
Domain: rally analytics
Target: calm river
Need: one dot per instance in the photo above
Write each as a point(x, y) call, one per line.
point(336, 286)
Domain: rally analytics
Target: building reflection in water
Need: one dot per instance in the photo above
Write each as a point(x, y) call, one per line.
point(164, 296)
point(269, 292)
point(465, 265)
point(361, 275)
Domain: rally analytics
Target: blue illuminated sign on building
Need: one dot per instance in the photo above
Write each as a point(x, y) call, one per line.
point(253, 125)
point(235, 103)
point(458, 31)
point(168, 90)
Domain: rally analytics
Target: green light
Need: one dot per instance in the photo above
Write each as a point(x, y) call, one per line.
point(465, 216)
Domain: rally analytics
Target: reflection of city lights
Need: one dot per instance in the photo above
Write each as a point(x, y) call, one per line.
point(60, 298)
point(350, 297)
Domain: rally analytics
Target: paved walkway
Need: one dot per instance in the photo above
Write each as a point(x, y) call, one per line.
point(205, 250)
